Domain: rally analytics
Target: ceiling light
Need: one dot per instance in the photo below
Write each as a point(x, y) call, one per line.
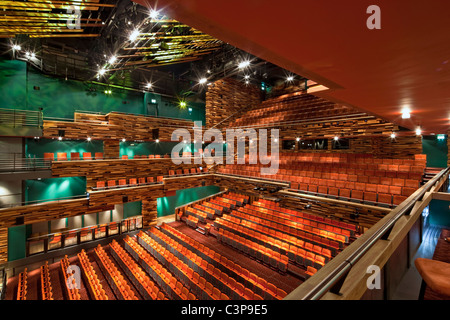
point(247, 82)
point(393, 135)
point(406, 113)
point(154, 14)
point(298, 139)
point(123, 140)
point(134, 35)
point(112, 59)
point(290, 78)
point(59, 138)
point(27, 54)
point(202, 80)
point(336, 138)
point(275, 140)
point(88, 138)
point(17, 47)
point(246, 76)
point(195, 141)
point(157, 140)
point(184, 141)
point(418, 131)
point(148, 85)
point(33, 55)
point(243, 64)
point(102, 71)
point(183, 104)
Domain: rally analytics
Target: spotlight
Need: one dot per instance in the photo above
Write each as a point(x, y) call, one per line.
point(123, 140)
point(154, 14)
point(17, 47)
point(247, 82)
point(298, 139)
point(336, 138)
point(290, 78)
point(133, 36)
point(182, 104)
point(406, 113)
point(244, 64)
point(184, 141)
point(102, 71)
point(202, 81)
point(148, 85)
point(157, 140)
point(203, 142)
point(27, 54)
point(275, 140)
point(418, 131)
point(112, 60)
point(88, 138)
point(195, 141)
point(246, 77)
point(393, 135)
point(308, 206)
point(33, 55)
point(59, 138)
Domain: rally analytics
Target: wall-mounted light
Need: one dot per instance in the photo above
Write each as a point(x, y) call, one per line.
point(17, 47)
point(244, 64)
point(406, 113)
point(336, 138)
point(418, 131)
point(88, 139)
point(290, 79)
point(298, 138)
point(157, 140)
point(202, 81)
point(60, 138)
point(393, 135)
point(182, 104)
point(102, 71)
point(123, 140)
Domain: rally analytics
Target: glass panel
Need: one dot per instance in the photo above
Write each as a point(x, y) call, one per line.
point(113, 228)
point(100, 232)
point(124, 226)
point(139, 223)
point(132, 223)
point(85, 235)
point(70, 239)
point(36, 246)
point(54, 241)
point(288, 144)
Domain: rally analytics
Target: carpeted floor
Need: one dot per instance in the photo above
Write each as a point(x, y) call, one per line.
point(441, 253)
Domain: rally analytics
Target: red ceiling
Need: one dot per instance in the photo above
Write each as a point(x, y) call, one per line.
point(406, 62)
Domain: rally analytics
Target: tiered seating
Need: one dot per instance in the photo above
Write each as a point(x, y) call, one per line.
point(210, 213)
point(358, 177)
point(296, 107)
point(122, 183)
point(94, 286)
point(166, 281)
point(114, 276)
point(181, 270)
point(22, 286)
point(198, 266)
point(192, 221)
point(71, 289)
point(146, 287)
point(239, 278)
point(310, 271)
point(200, 215)
point(46, 284)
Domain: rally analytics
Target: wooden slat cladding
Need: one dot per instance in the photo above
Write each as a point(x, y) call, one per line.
point(3, 245)
point(104, 170)
point(173, 184)
point(111, 149)
point(116, 126)
point(227, 97)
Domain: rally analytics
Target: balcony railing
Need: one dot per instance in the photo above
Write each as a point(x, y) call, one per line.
point(66, 238)
point(20, 118)
point(14, 162)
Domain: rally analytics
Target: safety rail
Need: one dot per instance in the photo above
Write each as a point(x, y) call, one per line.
point(33, 202)
point(2, 283)
point(16, 162)
point(331, 278)
point(20, 118)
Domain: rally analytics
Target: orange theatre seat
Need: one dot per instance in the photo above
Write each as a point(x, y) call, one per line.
point(74, 156)
point(124, 157)
point(133, 181)
point(435, 275)
point(61, 156)
point(87, 156)
point(122, 182)
point(49, 156)
point(99, 156)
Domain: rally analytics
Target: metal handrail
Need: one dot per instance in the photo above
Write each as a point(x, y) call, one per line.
point(36, 202)
point(344, 267)
point(20, 118)
point(13, 164)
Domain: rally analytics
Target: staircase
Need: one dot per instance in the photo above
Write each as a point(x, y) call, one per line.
point(430, 172)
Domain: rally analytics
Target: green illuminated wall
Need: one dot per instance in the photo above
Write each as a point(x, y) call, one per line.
point(436, 151)
point(439, 213)
point(17, 242)
point(166, 206)
point(54, 188)
point(59, 98)
point(131, 209)
point(37, 148)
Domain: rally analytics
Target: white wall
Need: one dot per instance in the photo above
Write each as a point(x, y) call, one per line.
point(58, 224)
point(74, 222)
point(40, 227)
point(10, 145)
point(90, 219)
point(104, 217)
point(10, 192)
point(117, 212)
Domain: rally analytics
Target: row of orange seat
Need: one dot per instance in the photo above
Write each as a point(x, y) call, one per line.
point(277, 257)
point(289, 236)
point(71, 288)
point(46, 284)
point(205, 290)
point(201, 268)
point(95, 288)
point(182, 172)
point(150, 156)
point(236, 272)
point(114, 277)
point(146, 287)
point(275, 208)
point(200, 215)
point(168, 283)
point(286, 221)
point(132, 182)
point(192, 221)
point(62, 156)
point(22, 286)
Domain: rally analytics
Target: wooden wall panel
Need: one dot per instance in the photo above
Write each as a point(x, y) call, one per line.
point(226, 97)
point(104, 170)
point(111, 149)
point(116, 127)
point(173, 184)
point(3, 245)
